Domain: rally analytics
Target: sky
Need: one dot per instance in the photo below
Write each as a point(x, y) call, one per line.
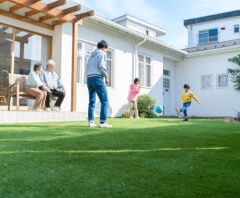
point(167, 14)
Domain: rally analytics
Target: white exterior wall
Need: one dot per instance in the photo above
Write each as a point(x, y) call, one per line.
point(123, 47)
point(171, 66)
point(140, 28)
point(223, 35)
point(215, 102)
point(62, 54)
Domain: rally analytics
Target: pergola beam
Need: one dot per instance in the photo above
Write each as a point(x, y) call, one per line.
point(48, 7)
point(2, 1)
point(77, 18)
point(27, 20)
point(65, 12)
point(19, 6)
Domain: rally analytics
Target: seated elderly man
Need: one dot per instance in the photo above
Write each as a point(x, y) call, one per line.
point(54, 87)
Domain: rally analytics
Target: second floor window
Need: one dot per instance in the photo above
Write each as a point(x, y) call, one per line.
point(208, 36)
point(236, 28)
point(144, 68)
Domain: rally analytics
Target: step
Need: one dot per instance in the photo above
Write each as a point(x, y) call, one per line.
point(33, 116)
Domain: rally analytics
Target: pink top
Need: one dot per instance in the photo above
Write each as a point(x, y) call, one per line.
point(133, 92)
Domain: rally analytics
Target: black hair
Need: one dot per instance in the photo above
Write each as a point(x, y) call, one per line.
point(187, 86)
point(102, 44)
point(136, 80)
point(37, 66)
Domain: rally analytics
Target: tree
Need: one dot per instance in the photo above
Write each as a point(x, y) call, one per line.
point(235, 73)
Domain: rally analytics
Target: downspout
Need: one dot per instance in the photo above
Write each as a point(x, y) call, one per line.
point(136, 56)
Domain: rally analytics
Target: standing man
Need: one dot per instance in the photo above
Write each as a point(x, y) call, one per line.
point(54, 87)
point(96, 72)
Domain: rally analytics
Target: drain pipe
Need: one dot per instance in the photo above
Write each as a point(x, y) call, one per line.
point(136, 56)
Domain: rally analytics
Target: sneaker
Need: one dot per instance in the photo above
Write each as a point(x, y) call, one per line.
point(131, 117)
point(56, 109)
point(91, 124)
point(178, 111)
point(104, 125)
point(48, 109)
point(185, 120)
point(137, 117)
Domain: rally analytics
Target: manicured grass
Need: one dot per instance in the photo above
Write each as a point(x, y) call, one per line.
point(136, 159)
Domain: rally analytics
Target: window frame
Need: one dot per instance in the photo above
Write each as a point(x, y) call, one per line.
point(81, 72)
point(217, 81)
point(208, 38)
point(145, 69)
point(14, 29)
point(201, 82)
point(234, 28)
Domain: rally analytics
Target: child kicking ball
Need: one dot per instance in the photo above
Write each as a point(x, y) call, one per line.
point(187, 96)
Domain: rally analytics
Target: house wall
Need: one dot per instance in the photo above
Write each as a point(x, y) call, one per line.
point(170, 95)
point(62, 54)
point(214, 101)
point(223, 35)
point(123, 47)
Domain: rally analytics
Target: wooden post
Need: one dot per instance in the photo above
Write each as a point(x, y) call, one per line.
point(13, 51)
point(74, 66)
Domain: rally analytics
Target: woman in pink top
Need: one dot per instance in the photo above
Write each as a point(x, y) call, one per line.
point(133, 92)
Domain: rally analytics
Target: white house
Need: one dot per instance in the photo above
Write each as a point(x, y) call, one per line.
point(36, 33)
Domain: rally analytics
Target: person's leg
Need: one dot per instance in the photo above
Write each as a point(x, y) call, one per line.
point(60, 95)
point(103, 97)
point(36, 93)
point(44, 99)
point(184, 109)
point(135, 109)
point(48, 99)
point(130, 107)
point(92, 100)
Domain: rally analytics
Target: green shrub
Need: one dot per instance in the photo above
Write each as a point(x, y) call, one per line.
point(146, 106)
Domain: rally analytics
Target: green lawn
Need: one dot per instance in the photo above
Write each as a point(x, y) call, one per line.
point(135, 159)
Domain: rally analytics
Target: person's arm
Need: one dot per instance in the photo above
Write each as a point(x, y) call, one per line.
point(42, 78)
point(195, 98)
point(138, 89)
point(102, 66)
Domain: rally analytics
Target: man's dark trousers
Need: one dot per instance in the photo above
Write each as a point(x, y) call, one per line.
point(54, 92)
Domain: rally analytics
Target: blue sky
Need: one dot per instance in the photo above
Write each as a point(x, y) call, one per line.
point(166, 14)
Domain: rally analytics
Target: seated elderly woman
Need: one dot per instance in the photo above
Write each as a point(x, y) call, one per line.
point(33, 87)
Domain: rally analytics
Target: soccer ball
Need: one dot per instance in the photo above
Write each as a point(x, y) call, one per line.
point(159, 109)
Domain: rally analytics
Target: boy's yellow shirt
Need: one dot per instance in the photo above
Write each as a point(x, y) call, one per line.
point(187, 97)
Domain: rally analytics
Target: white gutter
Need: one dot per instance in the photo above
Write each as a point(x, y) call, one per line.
point(136, 57)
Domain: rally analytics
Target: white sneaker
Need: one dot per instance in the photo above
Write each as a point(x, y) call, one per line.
point(48, 109)
point(91, 124)
point(137, 117)
point(56, 109)
point(104, 125)
point(131, 117)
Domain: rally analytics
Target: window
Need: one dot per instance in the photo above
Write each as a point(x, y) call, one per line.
point(144, 68)
point(166, 72)
point(5, 54)
point(166, 83)
point(207, 36)
point(206, 81)
point(222, 80)
point(29, 49)
point(236, 28)
point(84, 52)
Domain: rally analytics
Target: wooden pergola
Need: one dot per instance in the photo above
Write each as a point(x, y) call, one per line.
point(47, 14)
